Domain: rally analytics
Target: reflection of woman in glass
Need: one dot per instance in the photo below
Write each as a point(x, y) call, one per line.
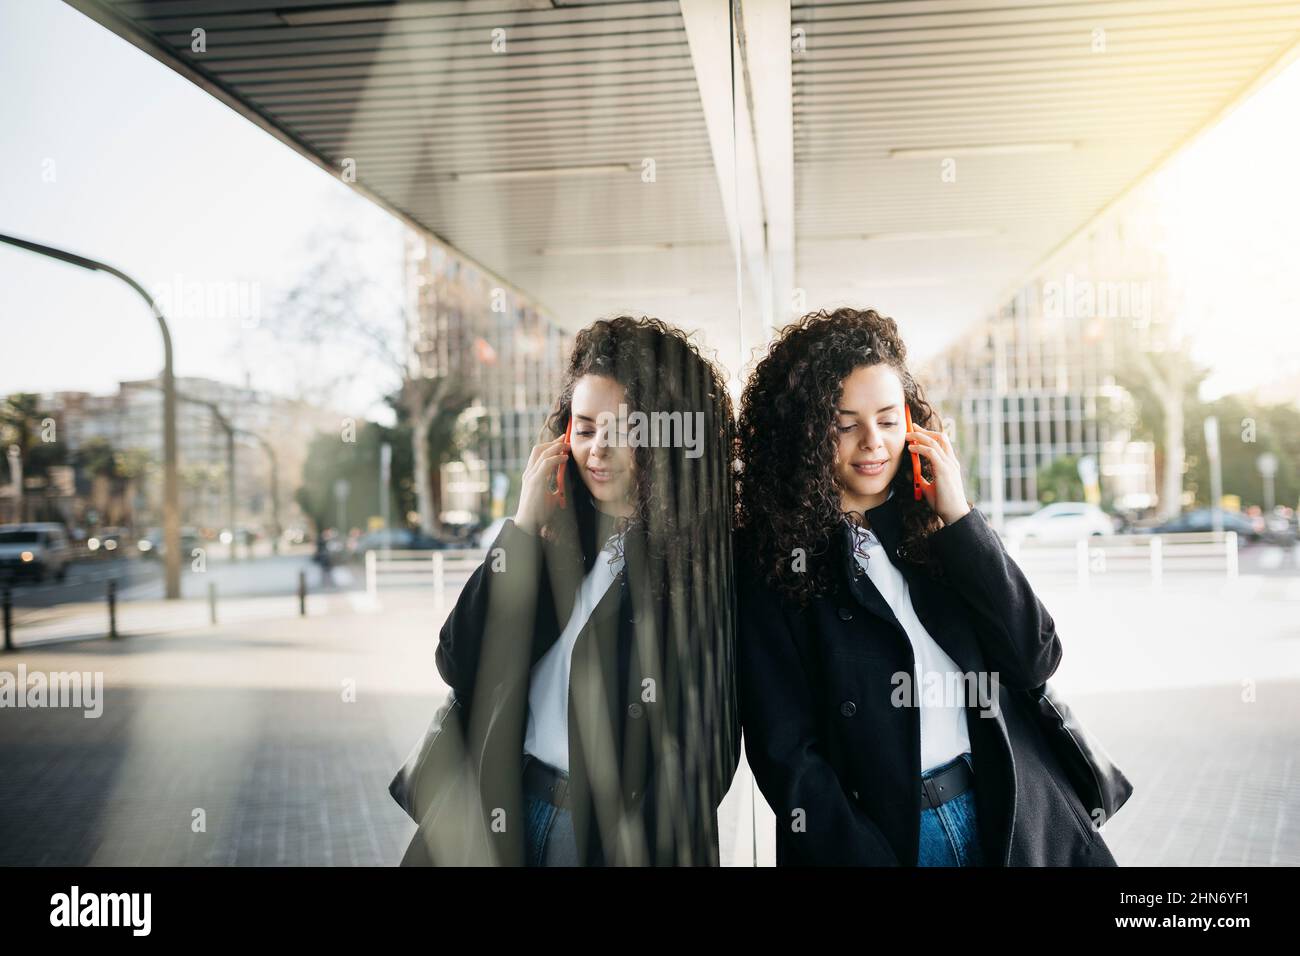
point(593, 649)
point(881, 636)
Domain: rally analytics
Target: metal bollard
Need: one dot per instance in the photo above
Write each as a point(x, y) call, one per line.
point(212, 602)
point(112, 608)
point(7, 599)
point(302, 593)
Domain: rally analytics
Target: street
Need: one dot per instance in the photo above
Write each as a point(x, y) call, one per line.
point(142, 579)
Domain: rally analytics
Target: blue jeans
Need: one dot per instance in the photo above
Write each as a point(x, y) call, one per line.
point(549, 835)
point(949, 832)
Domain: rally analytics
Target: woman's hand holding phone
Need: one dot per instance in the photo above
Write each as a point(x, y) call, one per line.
point(944, 493)
point(536, 499)
point(558, 484)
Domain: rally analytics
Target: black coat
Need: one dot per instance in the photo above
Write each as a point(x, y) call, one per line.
point(634, 798)
point(823, 737)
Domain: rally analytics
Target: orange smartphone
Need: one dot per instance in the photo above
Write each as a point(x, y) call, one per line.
point(919, 481)
point(559, 472)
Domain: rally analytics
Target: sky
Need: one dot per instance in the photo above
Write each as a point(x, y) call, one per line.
point(1230, 205)
point(152, 176)
point(108, 153)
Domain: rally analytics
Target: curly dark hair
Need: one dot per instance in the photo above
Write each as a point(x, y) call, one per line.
point(787, 496)
point(682, 514)
point(676, 498)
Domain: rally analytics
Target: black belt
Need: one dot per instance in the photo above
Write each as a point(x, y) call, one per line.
point(946, 784)
point(543, 780)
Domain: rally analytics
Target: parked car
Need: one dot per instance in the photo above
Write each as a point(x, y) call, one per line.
point(242, 536)
point(1061, 521)
point(396, 539)
point(37, 550)
point(151, 545)
point(108, 543)
point(1280, 526)
point(1201, 521)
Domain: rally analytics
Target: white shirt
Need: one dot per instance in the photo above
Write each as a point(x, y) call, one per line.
point(547, 737)
point(943, 714)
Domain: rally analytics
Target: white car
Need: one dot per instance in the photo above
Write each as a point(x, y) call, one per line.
point(37, 550)
point(1061, 521)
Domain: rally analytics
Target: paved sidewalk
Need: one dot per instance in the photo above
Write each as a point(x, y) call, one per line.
point(250, 722)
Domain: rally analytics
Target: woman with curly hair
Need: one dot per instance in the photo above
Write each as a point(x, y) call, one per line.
point(592, 653)
point(884, 634)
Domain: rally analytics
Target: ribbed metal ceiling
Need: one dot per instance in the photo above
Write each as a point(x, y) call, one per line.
point(1049, 111)
point(1066, 104)
point(416, 95)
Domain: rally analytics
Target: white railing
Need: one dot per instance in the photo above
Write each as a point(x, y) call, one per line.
point(433, 567)
point(1154, 556)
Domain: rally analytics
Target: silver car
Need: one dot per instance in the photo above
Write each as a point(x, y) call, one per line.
point(38, 550)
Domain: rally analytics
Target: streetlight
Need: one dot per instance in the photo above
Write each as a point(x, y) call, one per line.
point(16, 480)
point(171, 485)
point(15, 455)
point(226, 426)
point(275, 489)
point(1211, 426)
point(341, 490)
point(231, 430)
point(1267, 465)
point(385, 476)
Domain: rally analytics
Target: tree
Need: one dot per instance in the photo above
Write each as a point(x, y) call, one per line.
point(1164, 386)
point(438, 426)
point(1247, 429)
point(97, 457)
point(20, 421)
point(22, 424)
point(330, 459)
point(1060, 481)
point(337, 303)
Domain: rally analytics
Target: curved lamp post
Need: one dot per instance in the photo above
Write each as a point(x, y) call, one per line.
point(171, 488)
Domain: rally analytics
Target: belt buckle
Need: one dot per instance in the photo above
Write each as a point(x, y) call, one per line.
point(553, 781)
point(948, 779)
point(930, 792)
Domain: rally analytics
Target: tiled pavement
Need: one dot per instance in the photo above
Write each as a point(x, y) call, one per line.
point(249, 722)
point(1214, 779)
